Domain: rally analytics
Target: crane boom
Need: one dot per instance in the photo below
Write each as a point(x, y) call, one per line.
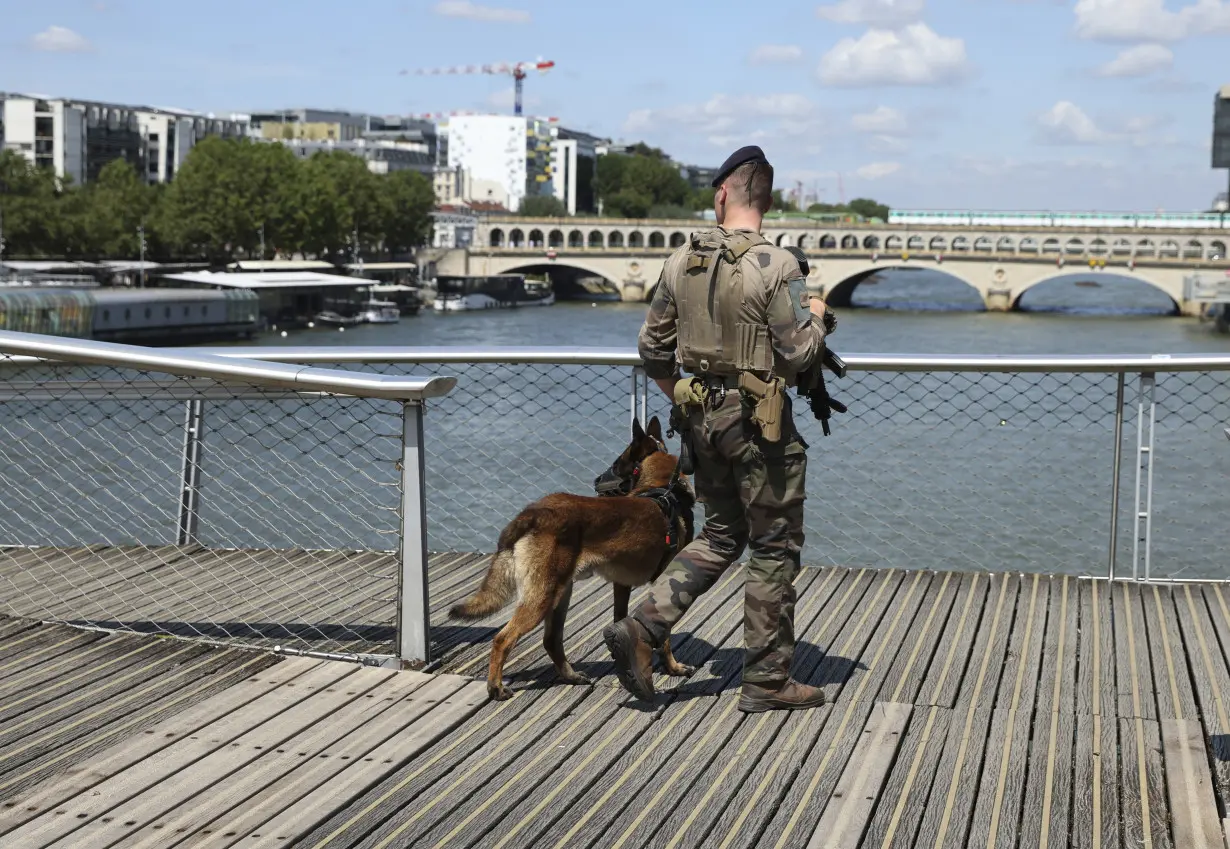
point(518, 70)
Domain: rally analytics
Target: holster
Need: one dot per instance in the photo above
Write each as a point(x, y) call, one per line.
point(769, 404)
point(688, 396)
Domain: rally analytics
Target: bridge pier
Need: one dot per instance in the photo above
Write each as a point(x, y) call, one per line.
point(997, 300)
point(633, 292)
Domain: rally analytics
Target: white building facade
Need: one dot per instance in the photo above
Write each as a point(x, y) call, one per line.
point(503, 155)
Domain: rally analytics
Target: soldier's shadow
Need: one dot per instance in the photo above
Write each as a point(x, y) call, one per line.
point(723, 671)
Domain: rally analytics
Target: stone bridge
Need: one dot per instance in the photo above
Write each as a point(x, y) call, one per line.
point(1000, 263)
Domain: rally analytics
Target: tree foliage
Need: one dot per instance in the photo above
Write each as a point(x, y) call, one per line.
point(629, 185)
point(224, 196)
point(543, 206)
point(859, 206)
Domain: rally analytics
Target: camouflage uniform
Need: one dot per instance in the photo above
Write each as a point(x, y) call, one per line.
point(752, 490)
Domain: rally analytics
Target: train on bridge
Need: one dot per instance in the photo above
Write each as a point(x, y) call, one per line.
point(1143, 220)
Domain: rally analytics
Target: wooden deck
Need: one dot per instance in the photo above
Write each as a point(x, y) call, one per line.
point(968, 710)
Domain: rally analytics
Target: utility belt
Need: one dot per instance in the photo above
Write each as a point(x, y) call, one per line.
point(767, 396)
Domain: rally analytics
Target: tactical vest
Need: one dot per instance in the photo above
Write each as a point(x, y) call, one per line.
point(715, 337)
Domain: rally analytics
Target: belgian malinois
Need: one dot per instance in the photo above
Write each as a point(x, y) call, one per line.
point(627, 540)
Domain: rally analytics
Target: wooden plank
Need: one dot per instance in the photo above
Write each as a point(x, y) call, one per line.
point(1133, 669)
point(1143, 785)
point(1172, 683)
point(428, 716)
point(909, 668)
point(1061, 651)
point(850, 807)
point(46, 646)
point(168, 770)
point(498, 734)
point(1050, 788)
point(996, 812)
point(49, 752)
point(1028, 630)
point(947, 816)
point(89, 772)
point(868, 674)
point(987, 654)
point(1095, 783)
point(1211, 679)
point(1096, 689)
point(1193, 808)
point(905, 797)
point(272, 764)
point(633, 777)
point(942, 681)
point(100, 658)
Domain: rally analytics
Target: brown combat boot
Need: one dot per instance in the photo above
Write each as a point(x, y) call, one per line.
point(633, 654)
point(789, 696)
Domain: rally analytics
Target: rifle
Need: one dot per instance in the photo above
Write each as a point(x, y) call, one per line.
point(812, 387)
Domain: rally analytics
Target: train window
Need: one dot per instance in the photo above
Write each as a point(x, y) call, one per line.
point(204, 310)
point(127, 314)
point(106, 315)
point(168, 312)
point(147, 312)
point(186, 312)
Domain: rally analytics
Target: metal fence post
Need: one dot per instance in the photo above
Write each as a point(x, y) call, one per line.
point(1145, 409)
point(190, 473)
point(1115, 478)
point(637, 374)
point(413, 622)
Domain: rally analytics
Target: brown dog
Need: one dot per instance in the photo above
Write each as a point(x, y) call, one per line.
point(626, 540)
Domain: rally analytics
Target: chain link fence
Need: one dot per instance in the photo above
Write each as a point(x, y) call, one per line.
point(971, 470)
point(189, 507)
point(273, 517)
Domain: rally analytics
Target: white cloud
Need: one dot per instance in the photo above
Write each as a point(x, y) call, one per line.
point(1139, 61)
point(915, 55)
point(1149, 20)
point(56, 39)
point(878, 170)
point(887, 144)
point(887, 14)
point(720, 113)
point(1067, 123)
point(475, 12)
point(882, 119)
point(772, 54)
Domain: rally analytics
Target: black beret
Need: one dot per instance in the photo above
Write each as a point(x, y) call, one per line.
point(750, 153)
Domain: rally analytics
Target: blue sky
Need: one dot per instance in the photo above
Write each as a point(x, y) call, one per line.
point(995, 104)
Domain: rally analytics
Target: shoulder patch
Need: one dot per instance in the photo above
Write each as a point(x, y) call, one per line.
point(764, 259)
point(799, 299)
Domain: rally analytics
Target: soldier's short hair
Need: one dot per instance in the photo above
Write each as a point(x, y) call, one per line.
point(752, 183)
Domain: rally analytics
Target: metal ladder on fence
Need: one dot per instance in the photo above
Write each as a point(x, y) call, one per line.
point(1146, 408)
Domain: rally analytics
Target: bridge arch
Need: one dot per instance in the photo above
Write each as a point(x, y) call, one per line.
point(893, 243)
point(1145, 247)
point(803, 242)
point(555, 239)
point(596, 239)
point(1005, 245)
point(496, 238)
point(849, 242)
point(535, 238)
point(1217, 250)
point(636, 239)
point(960, 243)
point(565, 274)
point(841, 294)
point(1050, 246)
point(1122, 247)
point(1098, 247)
point(678, 239)
point(576, 239)
point(1193, 250)
point(1120, 273)
point(916, 243)
point(1169, 249)
point(826, 242)
point(1028, 245)
point(615, 239)
point(781, 239)
point(1074, 246)
point(983, 244)
point(516, 239)
point(939, 243)
point(657, 240)
point(871, 243)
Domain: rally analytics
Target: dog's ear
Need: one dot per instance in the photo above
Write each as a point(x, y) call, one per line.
point(637, 432)
point(655, 429)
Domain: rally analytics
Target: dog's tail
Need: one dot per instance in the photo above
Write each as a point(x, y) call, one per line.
point(500, 583)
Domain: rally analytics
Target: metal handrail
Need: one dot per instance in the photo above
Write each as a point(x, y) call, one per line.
point(515, 355)
point(230, 367)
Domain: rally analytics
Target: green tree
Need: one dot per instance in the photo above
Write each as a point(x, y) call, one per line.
point(702, 199)
point(408, 198)
point(868, 208)
point(28, 201)
point(543, 206)
point(112, 208)
point(336, 196)
point(781, 204)
point(630, 185)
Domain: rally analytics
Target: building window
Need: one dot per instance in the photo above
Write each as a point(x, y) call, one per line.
point(153, 137)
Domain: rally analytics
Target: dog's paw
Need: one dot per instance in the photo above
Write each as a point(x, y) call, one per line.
point(499, 694)
point(680, 670)
point(577, 678)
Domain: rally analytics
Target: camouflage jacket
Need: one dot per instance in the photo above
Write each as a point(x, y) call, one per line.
point(797, 340)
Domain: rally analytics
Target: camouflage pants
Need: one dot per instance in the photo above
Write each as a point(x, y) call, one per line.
point(753, 494)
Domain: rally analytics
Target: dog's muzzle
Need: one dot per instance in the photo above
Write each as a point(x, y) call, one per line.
point(610, 483)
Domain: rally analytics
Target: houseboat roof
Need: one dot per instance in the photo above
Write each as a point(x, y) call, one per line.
point(271, 279)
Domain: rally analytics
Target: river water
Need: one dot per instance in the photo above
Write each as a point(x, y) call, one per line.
point(941, 471)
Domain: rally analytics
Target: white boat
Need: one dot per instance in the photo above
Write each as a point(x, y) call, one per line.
point(336, 319)
point(380, 312)
point(496, 291)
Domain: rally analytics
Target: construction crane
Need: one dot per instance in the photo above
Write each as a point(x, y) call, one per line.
point(519, 71)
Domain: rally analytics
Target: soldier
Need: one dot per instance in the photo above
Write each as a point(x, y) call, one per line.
point(733, 310)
